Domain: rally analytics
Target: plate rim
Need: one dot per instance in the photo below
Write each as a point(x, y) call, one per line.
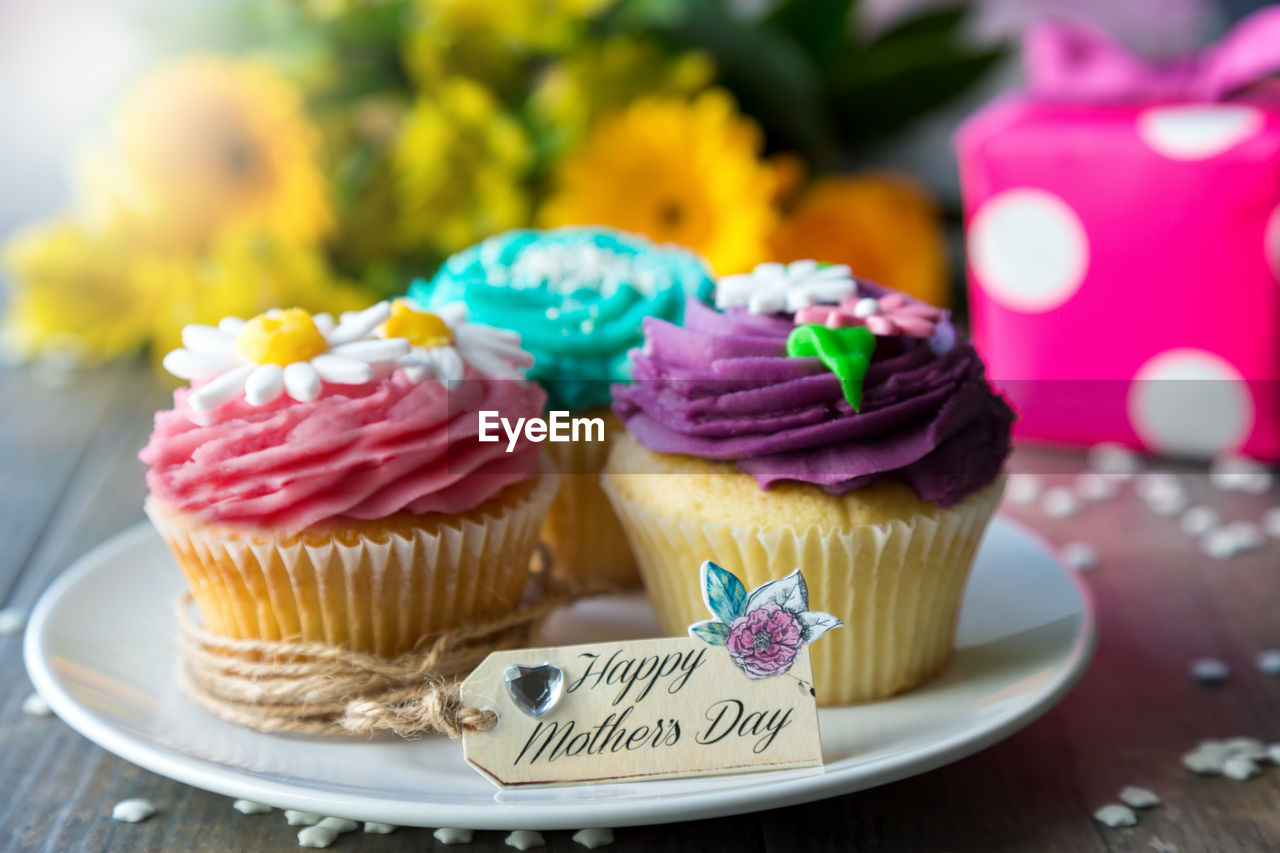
point(572, 813)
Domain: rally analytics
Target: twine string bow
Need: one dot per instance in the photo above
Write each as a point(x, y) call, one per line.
point(315, 688)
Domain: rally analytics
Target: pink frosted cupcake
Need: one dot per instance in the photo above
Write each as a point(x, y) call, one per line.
point(324, 481)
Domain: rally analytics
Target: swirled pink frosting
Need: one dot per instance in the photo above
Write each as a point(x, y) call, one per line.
point(358, 452)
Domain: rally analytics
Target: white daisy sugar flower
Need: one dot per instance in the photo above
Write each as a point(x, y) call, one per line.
point(786, 288)
point(443, 343)
point(284, 351)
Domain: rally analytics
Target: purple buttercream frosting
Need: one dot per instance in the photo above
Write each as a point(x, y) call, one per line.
point(722, 388)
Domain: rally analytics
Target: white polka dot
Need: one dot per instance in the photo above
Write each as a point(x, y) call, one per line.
point(1028, 249)
point(1199, 131)
point(1272, 239)
point(1189, 402)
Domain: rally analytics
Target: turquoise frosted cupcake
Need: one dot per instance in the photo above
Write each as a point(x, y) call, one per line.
point(578, 297)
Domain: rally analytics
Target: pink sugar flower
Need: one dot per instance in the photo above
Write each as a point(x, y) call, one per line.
point(765, 641)
point(891, 314)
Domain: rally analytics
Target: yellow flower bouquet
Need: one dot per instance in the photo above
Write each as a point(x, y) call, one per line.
point(345, 147)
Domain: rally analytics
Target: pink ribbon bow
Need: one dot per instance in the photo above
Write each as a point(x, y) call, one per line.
point(1071, 61)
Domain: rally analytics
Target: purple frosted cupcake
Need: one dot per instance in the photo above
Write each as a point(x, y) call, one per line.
point(819, 422)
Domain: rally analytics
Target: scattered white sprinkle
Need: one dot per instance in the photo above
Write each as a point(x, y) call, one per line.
point(449, 835)
point(1158, 484)
point(316, 836)
point(593, 838)
point(1115, 459)
point(1167, 505)
point(12, 620)
point(1022, 488)
point(1161, 846)
point(1246, 747)
point(1209, 671)
point(1060, 502)
point(1114, 814)
point(1080, 556)
point(1211, 757)
point(525, 839)
point(1268, 660)
point(1240, 474)
point(324, 832)
point(1139, 798)
point(1246, 535)
point(250, 807)
point(1271, 522)
point(1199, 520)
point(1219, 543)
point(1240, 768)
point(134, 810)
point(1095, 487)
point(36, 706)
point(297, 818)
point(1205, 762)
point(374, 827)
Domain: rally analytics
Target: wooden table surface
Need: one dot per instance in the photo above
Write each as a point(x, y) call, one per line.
point(69, 477)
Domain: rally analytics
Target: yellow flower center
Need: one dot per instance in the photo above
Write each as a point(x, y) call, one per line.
point(281, 337)
point(422, 328)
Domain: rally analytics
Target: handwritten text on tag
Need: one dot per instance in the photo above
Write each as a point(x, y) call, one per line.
point(639, 709)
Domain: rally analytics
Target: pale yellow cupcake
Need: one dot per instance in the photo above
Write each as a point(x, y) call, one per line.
point(856, 440)
point(586, 541)
point(378, 586)
point(324, 481)
point(892, 567)
point(577, 296)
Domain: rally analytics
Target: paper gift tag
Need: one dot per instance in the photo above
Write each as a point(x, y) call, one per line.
point(735, 696)
point(648, 709)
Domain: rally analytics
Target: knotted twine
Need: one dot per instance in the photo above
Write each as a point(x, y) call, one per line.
point(316, 688)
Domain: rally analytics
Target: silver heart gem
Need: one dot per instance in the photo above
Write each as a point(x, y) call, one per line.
point(534, 689)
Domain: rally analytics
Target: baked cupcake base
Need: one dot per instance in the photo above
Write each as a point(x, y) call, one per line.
point(378, 586)
point(890, 566)
point(587, 543)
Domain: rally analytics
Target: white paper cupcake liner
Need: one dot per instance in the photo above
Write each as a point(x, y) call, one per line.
point(378, 586)
point(897, 587)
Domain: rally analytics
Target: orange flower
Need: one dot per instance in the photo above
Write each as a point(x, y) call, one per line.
point(883, 226)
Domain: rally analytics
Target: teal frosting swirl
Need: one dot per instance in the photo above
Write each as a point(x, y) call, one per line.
point(577, 296)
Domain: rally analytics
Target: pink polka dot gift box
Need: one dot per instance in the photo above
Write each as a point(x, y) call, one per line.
point(1123, 234)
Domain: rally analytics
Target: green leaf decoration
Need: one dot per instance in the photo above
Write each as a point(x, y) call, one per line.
point(724, 594)
point(846, 352)
point(711, 632)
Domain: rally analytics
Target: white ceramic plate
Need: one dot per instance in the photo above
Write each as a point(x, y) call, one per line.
point(100, 649)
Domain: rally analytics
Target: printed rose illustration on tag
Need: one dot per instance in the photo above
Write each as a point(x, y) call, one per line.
point(764, 630)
